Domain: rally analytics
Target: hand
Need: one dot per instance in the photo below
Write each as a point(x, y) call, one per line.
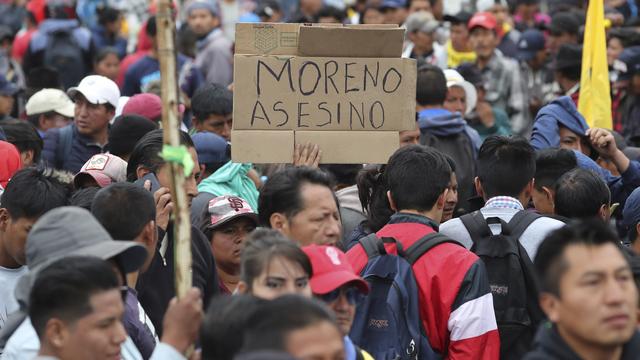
point(604, 142)
point(164, 206)
point(485, 113)
point(182, 320)
point(307, 155)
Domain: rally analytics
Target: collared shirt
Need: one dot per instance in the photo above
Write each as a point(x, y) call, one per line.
point(504, 202)
point(504, 90)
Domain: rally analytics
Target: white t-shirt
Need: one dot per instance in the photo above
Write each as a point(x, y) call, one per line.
point(8, 280)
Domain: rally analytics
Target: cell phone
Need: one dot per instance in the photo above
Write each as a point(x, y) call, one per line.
point(155, 185)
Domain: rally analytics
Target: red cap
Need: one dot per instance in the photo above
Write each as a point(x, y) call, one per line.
point(483, 19)
point(146, 104)
point(10, 162)
point(331, 270)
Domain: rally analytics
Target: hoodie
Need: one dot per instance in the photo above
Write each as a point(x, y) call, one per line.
point(442, 123)
point(560, 112)
point(549, 345)
point(232, 179)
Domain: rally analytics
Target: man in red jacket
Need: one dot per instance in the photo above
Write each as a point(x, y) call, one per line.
point(456, 306)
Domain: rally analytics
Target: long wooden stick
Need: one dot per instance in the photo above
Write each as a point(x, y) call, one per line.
point(171, 126)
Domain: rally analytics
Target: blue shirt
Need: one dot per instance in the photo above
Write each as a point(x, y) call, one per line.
point(147, 71)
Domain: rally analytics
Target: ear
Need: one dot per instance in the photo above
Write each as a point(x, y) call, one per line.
point(56, 333)
point(279, 221)
point(141, 171)
point(4, 219)
point(478, 186)
point(550, 304)
point(604, 212)
point(549, 194)
point(392, 204)
point(442, 199)
point(27, 157)
point(149, 236)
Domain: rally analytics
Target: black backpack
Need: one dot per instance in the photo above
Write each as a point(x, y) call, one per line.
point(511, 278)
point(64, 53)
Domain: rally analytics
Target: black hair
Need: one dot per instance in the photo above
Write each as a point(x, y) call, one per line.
point(124, 209)
point(372, 191)
point(282, 192)
point(211, 99)
point(24, 136)
point(268, 328)
point(572, 73)
point(84, 197)
point(551, 164)
point(221, 334)
point(63, 290)
point(107, 15)
point(431, 86)
point(146, 153)
point(333, 12)
point(580, 193)
point(506, 164)
point(343, 174)
point(451, 162)
point(417, 175)
point(151, 29)
point(32, 192)
point(263, 246)
point(549, 261)
point(35, 118)
point(43, 77)
point(104, 52)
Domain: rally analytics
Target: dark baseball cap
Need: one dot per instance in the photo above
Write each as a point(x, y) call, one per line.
point(628, 63)
point(531, 41)
point(568, 56)
point(564, 22)
point(462, 17)
point(631, 211)
point(393, 4)
point(211, 148)
point(7, 88)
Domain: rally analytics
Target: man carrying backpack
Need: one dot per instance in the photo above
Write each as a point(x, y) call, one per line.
point(502, 233)
point(454, 301)
point(62, 44)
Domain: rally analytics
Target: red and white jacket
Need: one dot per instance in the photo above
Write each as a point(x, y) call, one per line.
point(456, 306)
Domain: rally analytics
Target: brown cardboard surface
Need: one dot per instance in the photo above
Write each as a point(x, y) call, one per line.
point(378, 42)
point(266, 39)
point(323, 94)
point(262, 147)
point(352, 147)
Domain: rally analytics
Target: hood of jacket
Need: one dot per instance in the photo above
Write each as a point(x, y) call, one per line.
point(560, 112)
point(442, 122)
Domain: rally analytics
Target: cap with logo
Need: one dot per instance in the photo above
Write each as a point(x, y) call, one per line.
point(47, 100)
point(531, 41)
point(484, 20)
point(104, 169)
point(226, 208)
point(331, 270)
point(97, 90)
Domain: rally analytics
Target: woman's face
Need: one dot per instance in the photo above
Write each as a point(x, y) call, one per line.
point(108, 67)
point(281, 277)
point(614, 49)
point(227, 242)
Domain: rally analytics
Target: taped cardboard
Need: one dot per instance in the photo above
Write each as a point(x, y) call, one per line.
point(352, 147)
point(262, 147)
point(324, 94)
point(266, 39)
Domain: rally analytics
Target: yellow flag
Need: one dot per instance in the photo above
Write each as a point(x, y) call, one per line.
point(595, 93)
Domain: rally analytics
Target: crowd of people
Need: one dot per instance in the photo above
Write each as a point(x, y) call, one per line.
point(503, 226)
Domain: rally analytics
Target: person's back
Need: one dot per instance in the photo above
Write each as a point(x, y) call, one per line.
point(444, 130)
point(450, 279)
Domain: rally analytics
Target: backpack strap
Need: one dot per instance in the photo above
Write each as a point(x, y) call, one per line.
point(372, 245)
point(65, 142)
point(476, 225)
point(521, 221)
point(426, 243)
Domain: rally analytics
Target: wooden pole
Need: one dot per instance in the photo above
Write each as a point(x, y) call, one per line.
point(171, 128)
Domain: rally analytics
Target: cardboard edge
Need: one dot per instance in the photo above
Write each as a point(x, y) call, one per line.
point(262, 146)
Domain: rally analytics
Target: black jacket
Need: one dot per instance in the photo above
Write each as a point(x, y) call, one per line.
point(156, 287)
point(549, 345)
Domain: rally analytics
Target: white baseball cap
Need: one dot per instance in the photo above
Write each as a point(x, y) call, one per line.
point(98, 90)
point(455, 79)
point(47, 100)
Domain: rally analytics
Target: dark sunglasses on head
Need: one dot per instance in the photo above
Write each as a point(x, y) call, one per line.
point(353, 295)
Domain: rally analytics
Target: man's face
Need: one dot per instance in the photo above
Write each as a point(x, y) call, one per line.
point(320, 341)
point(395, 16)
point(99, 334)
point(422, 41)
point(201, 21)
point(217, 124)
point(419, 5)
point(14, 235)
point(91, 119)
point(598, 297)
point(483, 41)
point(6, 104)
point(539, 60)
point(570, 140)
point(319, 221)
point(373, 16)
point(310, 7)
point(190, 183)
point(459, 37)
point(227, 242)
point(344, 309)
point(451, 200)
point(614, 49)
point(409, 137)
point(456, 100)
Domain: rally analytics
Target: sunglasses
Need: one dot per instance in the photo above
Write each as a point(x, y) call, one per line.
point(353, 295)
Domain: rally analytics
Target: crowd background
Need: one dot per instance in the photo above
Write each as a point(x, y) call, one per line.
point(503, 227)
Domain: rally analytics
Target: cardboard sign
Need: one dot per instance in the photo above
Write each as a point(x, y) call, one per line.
point(343, 88)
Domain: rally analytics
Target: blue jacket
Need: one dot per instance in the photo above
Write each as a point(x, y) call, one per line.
point(442, 122)
point(82, 149)
point(561, 111)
